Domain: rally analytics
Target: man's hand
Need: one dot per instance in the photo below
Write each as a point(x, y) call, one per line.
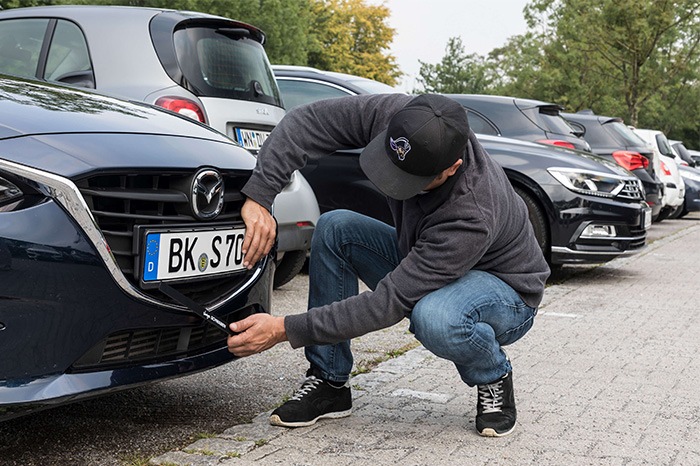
point(260, 232)
point(256, 334)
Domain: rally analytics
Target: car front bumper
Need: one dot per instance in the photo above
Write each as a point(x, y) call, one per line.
point(596, 230)
point(76, 328)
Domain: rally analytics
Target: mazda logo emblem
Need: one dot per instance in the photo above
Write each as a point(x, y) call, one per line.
point(207, 194)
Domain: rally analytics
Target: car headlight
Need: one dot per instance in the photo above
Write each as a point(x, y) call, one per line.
point(9, 193)
point(589, 182)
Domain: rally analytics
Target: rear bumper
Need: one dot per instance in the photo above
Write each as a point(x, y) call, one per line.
point(297, 212)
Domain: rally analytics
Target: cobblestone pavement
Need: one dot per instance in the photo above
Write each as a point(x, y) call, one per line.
point(607, 376)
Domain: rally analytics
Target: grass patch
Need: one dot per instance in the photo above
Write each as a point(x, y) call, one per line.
point(135, 460)
point(366, 366)
point(192, 451)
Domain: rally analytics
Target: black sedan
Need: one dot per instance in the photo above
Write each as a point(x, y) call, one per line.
point(525, 119)
point(611, 139)
point(120, 245)
point(583, 209)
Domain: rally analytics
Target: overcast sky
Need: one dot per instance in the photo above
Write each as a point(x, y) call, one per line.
point(423, 28)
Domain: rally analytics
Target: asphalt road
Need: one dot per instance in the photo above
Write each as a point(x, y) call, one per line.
point(129, 427)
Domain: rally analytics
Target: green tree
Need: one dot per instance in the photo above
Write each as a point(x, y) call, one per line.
point(352, 37)
point(457, 72)
point(617, 54)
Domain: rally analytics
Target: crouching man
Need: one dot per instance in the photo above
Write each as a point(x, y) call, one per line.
point(462, 262)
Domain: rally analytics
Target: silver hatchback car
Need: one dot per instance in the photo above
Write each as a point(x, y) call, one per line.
point(212, 69)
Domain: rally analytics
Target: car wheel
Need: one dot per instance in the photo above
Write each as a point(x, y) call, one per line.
point(538, 221)
point(290, 265)
point(677, 213)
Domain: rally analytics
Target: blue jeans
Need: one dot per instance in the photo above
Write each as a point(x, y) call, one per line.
point(465, 322)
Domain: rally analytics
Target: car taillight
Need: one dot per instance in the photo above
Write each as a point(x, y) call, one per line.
point(182, 106)
point(630, 160)
point(557, 142)
point(665, 169)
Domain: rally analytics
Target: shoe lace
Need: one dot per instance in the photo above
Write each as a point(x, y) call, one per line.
point(311, 383)
point(491, 397)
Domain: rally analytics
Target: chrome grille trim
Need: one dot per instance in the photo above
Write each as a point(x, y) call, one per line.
point(631, 190)
point(67, 194)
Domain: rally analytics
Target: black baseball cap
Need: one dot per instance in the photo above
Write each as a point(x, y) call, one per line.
point(423, 139)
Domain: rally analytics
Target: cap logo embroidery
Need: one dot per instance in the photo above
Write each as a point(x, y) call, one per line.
point(400, 146)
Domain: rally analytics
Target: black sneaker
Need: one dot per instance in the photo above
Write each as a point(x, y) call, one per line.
point(495, 409)
point(316, 399)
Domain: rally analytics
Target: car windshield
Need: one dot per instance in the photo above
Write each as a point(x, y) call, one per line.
point(225, 63)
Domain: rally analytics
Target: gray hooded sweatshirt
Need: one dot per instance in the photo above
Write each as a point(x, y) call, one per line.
point(473, 221)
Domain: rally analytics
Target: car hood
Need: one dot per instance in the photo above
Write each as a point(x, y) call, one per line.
point(37, 108)
point(510, 153)
point(72, 133)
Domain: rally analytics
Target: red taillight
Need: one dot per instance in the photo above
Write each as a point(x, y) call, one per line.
point(630, 160)
point(557, 142)
point(182, 106)
point(665, 169)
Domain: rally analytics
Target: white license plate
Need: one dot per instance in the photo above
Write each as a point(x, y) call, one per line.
point(251, 139)
point(646, 218)
point(186, 254)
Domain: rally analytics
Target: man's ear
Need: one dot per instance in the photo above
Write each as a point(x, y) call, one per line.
point(453, 169)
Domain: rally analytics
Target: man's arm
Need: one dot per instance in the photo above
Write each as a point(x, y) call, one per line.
point(313, 130)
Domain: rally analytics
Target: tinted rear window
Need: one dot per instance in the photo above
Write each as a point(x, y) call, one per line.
point(664, 146)
point(597, 137)
point(225, 63)
point(549, 119)
point(624, 133)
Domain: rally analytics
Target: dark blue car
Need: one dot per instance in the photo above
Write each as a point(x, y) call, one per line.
point(120, 228)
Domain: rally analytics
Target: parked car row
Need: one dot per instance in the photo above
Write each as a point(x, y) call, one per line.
point(142, 199)
point(584, 209)
point(611, 139)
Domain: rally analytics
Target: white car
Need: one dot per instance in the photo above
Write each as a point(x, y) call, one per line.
point(666, 168)
point(209, 68)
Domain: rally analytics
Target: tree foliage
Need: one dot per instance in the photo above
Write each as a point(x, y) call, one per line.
point(637, 59)
point(352, 37)
point(457, 73)
point(634, 48)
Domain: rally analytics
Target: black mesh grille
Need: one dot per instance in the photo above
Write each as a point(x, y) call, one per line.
point(150, 344)
point(126, 347)
point(121, 203)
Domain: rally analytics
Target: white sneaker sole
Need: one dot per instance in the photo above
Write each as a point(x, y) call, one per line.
point(492, 433)
point(276, 421)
